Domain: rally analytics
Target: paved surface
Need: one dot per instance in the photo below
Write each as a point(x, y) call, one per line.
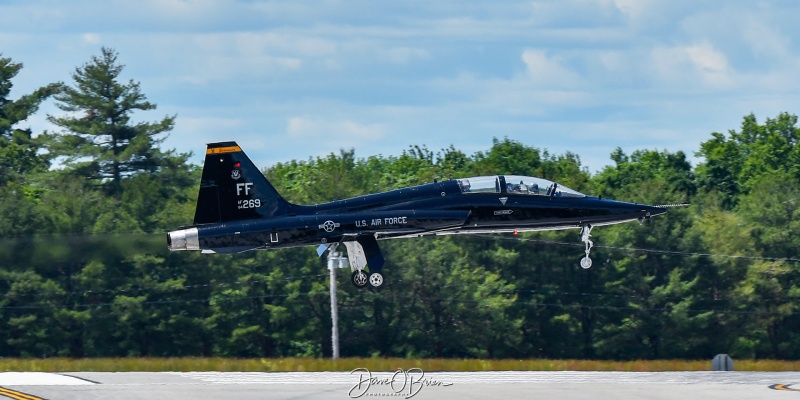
point(405, 384)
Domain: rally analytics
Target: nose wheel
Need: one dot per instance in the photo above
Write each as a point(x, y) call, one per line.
point(586, 232)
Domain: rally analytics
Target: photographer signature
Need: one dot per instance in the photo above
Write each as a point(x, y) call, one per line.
point(402, 382)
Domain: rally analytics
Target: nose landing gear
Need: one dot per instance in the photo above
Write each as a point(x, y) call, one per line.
point(586, 231)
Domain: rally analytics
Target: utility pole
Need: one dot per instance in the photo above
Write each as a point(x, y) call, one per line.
point(335, 261)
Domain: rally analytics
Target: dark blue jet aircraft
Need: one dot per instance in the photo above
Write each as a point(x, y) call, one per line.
point(239, 210)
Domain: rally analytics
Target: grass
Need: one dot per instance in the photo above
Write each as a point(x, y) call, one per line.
point(373, 364)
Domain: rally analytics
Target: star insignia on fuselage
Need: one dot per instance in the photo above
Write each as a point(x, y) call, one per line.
point(329, 226)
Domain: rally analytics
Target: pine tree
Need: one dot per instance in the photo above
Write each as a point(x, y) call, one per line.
point(19, 151)
point(99, 140)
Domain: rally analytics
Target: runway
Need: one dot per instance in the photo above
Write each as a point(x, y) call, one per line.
point(411, 384)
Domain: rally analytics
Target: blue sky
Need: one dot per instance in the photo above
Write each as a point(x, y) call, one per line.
point(299, 79)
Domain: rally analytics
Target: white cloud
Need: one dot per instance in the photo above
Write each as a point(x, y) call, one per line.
point(196, 124)
point(405, 55)
point(92, 38)
point(693, 64)
point(293, 79)
point(612, 60)
point(547, 71)
point(706, 58)
point(765, 41)
point(181, 7)
point(343, 130)
point(633, 8)
point(220, 57)
point(249, 43)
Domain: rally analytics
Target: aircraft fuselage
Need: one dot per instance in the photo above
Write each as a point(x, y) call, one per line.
point(431, 209)
point(239, 210)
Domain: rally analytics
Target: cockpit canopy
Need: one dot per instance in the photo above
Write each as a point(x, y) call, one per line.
point(515, 184)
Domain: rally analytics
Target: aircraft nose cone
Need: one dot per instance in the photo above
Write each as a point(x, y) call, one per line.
point(655, 210)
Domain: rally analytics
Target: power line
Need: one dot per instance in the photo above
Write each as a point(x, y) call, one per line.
point(242, 284)
point(218, 298)
point(160, 302)
point(640, 250)
point(354, 305)
point(478, 303)
point(154, 289)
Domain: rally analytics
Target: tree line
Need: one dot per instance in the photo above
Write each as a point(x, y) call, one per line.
point(84, 270)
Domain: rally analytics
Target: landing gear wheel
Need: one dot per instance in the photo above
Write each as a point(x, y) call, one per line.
point(586, 232)
point(359, 279)
point(376, 279)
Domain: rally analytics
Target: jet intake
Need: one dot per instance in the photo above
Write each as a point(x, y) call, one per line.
point(184, 239)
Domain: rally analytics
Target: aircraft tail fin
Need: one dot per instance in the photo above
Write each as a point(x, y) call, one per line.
point(232, 188)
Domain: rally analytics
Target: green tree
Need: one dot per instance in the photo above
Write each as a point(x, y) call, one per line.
point(271, 304)
point(99, 140)
point(19, 151)
point(669, 173)
point(770, 287)
point(734, 162)
point(439, 302)
point(20, 156)
point(29, 310)
point(652, 296)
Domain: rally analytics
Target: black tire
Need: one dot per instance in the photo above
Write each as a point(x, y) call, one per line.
point(359, 279)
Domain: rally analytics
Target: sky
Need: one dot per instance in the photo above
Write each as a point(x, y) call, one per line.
point(293, 80)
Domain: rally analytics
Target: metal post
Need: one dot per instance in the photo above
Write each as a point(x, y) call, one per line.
point(332, 265)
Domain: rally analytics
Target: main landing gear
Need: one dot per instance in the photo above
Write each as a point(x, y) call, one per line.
point(586, 231)
point(360, 279)
point(358, 259)
point(362, 253)
point(376, 279)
